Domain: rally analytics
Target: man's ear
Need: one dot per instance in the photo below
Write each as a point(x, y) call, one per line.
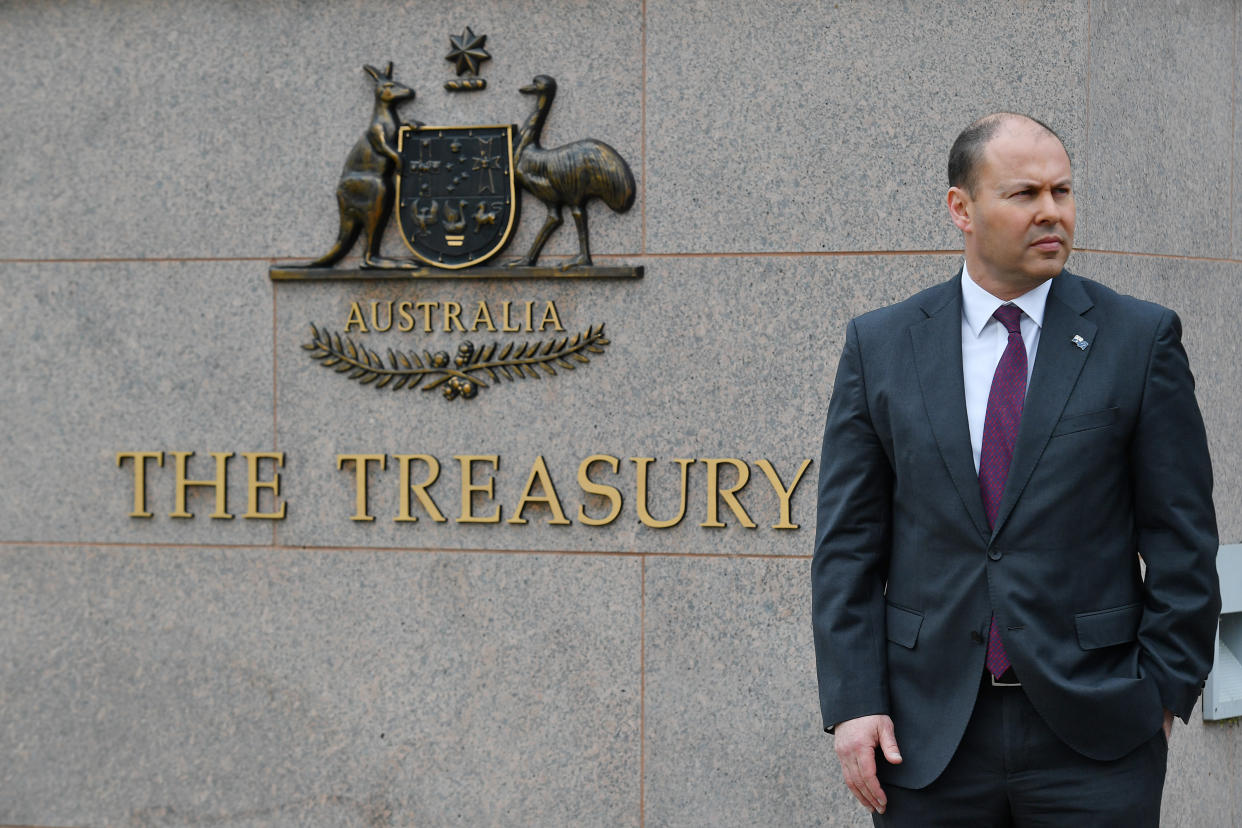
point(960, 208)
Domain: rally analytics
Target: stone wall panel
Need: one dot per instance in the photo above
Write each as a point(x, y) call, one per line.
point(1158, 160)
point(116, 357)
point(153, 686)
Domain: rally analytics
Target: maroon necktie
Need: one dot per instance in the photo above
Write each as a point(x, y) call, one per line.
point(1000, 432)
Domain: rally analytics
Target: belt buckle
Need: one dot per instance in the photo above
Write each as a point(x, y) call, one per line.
point(998, 683)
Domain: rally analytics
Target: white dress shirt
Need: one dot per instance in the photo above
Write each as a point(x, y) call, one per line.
point(983, 342)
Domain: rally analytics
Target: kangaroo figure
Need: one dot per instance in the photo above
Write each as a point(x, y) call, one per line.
point(365, 193)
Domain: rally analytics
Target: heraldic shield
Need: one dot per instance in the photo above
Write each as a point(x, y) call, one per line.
point(456, 201)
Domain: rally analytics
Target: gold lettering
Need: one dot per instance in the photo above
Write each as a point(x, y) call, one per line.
point(785, 495)
point(452, 313)
point(540, 470)
point(550, 317)
point(641, 474)
point(355, 318)
point(482, 315)
point(252, 497)
point(591, 487)
point(375, 325)
point(140, 459)
point(419, 489)
point(220, 483)
point(505, 327)
point(426, 308)
point(407, 321)
point(360, 479)
point(714, 492)
point(530, 303)
point(469, 487)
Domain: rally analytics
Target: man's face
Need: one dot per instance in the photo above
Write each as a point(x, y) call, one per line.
point(1019, 222)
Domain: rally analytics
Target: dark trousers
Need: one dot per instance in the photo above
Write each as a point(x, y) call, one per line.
point(1011, 770)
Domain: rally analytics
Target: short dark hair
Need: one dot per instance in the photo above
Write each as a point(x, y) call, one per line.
point(967, 150)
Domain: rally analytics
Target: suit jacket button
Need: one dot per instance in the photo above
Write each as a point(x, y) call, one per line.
point(976, 637)
point(994, 554)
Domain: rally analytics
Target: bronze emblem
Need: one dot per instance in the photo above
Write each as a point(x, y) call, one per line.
point(467, 54)
point(455, 195)
point(456, 191)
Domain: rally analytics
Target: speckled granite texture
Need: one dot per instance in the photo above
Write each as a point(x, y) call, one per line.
point(789, 158)
point(106, 357)
point(1159, 162)
point(253, 686)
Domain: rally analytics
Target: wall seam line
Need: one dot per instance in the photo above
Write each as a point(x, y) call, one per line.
point(724, 254)
point(642, 694)
point(642, 111)
point(275, 432)
point(585, 553)
point(1086, 139)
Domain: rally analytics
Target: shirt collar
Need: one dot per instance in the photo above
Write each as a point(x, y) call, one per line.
point(978, 305)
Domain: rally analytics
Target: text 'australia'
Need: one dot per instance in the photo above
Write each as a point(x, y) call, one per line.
point(406, 315)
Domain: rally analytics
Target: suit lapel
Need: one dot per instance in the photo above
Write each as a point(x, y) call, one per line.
point(1058, 364)
point(938, 359)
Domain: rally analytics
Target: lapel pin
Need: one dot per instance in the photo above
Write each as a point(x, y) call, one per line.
point(1080, 342)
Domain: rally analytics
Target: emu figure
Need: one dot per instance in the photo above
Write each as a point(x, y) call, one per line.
point(567, 176)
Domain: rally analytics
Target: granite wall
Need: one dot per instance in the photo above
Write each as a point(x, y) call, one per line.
point(321, 670)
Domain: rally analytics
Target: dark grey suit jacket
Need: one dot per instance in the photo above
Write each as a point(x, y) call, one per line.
point(1111, 463)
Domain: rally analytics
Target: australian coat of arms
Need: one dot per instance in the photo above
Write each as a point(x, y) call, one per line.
point(457, 195)
point(457, 189)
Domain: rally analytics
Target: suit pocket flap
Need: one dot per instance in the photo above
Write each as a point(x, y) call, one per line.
point(1105, 628)
point(903, 625)
point(1082, 422)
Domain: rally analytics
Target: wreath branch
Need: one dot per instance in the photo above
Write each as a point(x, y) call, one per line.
point(463, 375)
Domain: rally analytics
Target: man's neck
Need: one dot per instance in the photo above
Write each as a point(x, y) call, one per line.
point(978, 303)
point(981, 276)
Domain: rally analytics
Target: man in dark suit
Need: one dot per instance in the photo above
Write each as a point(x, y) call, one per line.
point(1014, 582)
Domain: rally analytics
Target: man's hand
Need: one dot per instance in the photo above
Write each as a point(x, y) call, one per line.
point(1168, 725)
point(856, 740)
